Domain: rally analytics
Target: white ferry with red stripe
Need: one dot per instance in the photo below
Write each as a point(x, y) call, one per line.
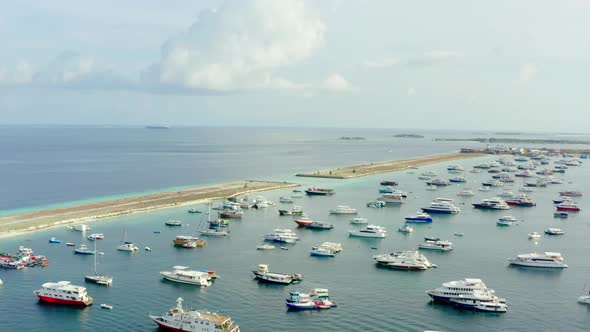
point(63, 292)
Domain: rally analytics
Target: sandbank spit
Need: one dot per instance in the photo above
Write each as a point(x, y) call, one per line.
point(28, 222)
point(385, 166)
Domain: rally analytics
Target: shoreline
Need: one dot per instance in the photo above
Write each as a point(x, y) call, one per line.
point(23, 223)
point(385, 166)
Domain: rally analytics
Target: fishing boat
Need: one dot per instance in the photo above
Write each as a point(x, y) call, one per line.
point(179, 320)
point(63, 292)
point(96, 278)
point(184, 276)
point(54, 240)
point(314, 191)
point(84, 250)
point(316, 299)
point(263, 275)
point(419, 217)
point(127, 245)
point(175, 223)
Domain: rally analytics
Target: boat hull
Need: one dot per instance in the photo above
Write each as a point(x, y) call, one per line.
point(562, 208)
point(65, 302)
point(263, 278)
point(429, 210)
point(418, 220)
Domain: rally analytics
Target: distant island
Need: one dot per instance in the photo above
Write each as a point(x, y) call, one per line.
point(513, 140)
point(408, 136)
point(157, 127)
point(354, 138)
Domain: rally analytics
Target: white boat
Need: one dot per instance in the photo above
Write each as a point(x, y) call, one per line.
point(534, 235)
point(265, 247)
point(262, 274)
point(481, 305)
point(466, 192)
point(214, 232)
point(63, 292)
point(484, 189)
point(432, 187)
point(392, 198)
point(359, 221)
point(372, 231)
point(506, 221)
point(95, 236)
point(404, 260)
point(100, 279)
point(545, 260)
point(1, 282)
point(179, 320)
point(343, 209)
point(491, 204)
point(584, 299)
point(319, 225)
point(335, 247)
point(106, 306)
point(147, 249)
point(79, 228)
point(84, 250)
point(127, 245)
point(554, 231)
point(435, 244)
point(321, 251)
point(282, 236)
point(405, 229)
point(506, 194)
point(441, 207)
point(467, 289)
point(525, 190)
point(184, 276)
point(285, 199)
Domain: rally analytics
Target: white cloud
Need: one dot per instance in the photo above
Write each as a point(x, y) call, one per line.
point(66, 67)
point(239, 46)
point(381, 63)
point(21, 74)
point(528, 72)
point(336, 83)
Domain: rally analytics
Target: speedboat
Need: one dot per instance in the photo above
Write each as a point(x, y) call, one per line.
point(106, 306)
point(184, 276)
point(585, 299)
point(435, 244)
point(316, 299)
point(54, 240)
point(560, 214)
point(554, 231)
point(562, 199)
point(303, 221)
point(343, 209)
point(265, 247)
point(193, 210)
point(534, 235)
point(405, 229)
point(546, 260)
point(321, 251)
point(376, 204)
point(319, 225)
point(173, 223)
point(179, 320)
point(492, 204)
point(359, 221)
point(263, 275)
point(441, 207)
point(419, 217)
point(369, 231)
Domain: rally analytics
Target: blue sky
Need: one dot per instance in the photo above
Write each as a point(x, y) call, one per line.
point(458, 64)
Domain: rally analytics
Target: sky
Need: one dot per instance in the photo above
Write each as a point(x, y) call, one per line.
point(456, 64)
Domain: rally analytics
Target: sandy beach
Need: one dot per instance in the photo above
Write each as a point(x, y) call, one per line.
point(385, 166)
point(29, 222)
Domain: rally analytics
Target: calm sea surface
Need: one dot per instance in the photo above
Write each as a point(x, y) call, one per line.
point(58, 166)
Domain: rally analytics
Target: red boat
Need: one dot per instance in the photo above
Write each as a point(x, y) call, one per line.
point(63, 292)
point(521, 200)
point(230, 214)
point(568, 206)
point(303, 222)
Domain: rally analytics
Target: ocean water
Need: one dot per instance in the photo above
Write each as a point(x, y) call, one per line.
point(369, 298)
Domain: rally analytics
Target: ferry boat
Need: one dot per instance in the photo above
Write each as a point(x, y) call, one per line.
point(545, 260)
point(313, 191)
point(316, 299)
point(419, 217)
point(404, 260)
point(263, 275)
point(491, 204)
point(436, 244)
point(568, 206)
point(344, 209)
point(554, 231)
point(521, 200)
point(183, 276)
point(63, 292)
point(372, 231)
point(469, 289)
point(441, 207)
point(179, 320)
point(175, 223)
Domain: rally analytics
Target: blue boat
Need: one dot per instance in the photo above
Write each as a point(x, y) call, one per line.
point(457, 179)
point(421, 217)
point(386, 191)
point(54, 240)
point(83, 250)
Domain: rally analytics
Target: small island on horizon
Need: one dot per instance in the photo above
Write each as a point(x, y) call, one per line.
point(408, 136)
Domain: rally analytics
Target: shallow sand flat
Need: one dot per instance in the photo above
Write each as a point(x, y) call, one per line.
point(385, 166)
point(27, 222)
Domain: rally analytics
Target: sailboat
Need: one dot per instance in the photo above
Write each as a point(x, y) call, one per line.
point(213, 230)
point(126, 245)
point(98, 278)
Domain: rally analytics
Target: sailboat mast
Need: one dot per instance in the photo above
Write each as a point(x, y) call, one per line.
point(95, 254)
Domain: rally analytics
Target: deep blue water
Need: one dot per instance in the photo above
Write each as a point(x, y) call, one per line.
point(369, 298)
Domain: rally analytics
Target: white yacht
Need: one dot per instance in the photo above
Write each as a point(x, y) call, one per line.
point(441, 207)
point(369, 231)
point(534, 235)
point(321, 251)
point(584, 299)
point(343, 209)
point(467, 192)
point(285, 199)
point(405, 229)
point(392, 198)
point(180, 320)
point(554, 231)
point(359, 221)
point(469, 288)
point(436, 244)
point(546, 260)
point(506, 194)
point(495, 305)
point(282, 236)
point(265, 246)
point(183, 276)
point(491, 204)
point(404, 260)
point(262, 274)
point(335, 247)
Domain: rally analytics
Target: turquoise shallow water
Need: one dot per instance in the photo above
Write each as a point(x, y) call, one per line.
point(369, 298)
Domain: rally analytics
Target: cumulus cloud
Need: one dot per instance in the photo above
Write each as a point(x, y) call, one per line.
point(241, 45)
point(528, 72)
point(66, 67)
point(336, 83)
point(21, 74)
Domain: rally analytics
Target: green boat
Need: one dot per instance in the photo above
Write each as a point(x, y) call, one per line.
point(194, 211)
